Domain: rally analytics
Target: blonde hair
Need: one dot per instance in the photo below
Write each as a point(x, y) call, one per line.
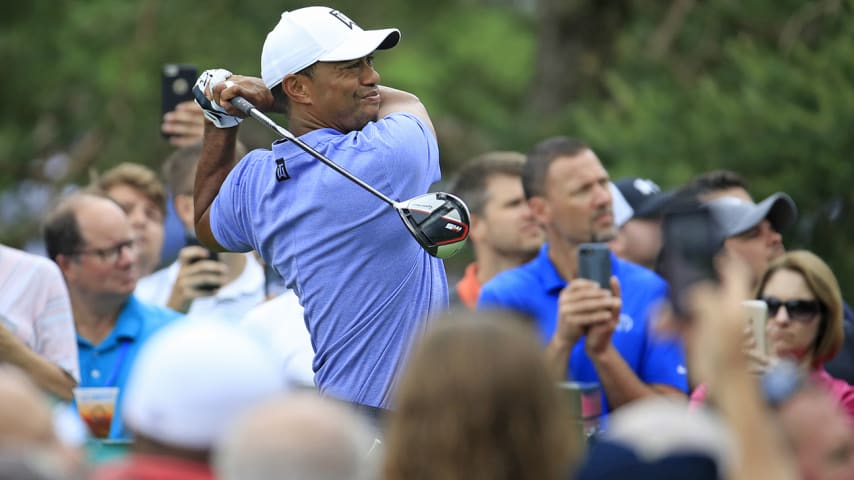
point(136, 176)
point(822, 283)
point(477, 402)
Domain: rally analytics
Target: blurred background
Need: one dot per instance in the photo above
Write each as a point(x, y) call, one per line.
point(659, 89)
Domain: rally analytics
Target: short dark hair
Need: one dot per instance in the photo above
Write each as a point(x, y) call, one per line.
point(713, 181)
point(541, 158)
point(60, 228)
point(473, 177)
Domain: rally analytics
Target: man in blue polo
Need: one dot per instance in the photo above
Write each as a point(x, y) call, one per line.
point(366, 285)
point(91, 239)
point(592, 334)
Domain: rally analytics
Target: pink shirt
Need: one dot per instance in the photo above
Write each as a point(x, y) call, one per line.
point(839, 389)
point(35, 307)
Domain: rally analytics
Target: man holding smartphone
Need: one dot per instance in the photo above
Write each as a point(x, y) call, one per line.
point(201, 282)
point(592, 334)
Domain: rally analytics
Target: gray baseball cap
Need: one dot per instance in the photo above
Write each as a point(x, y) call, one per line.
point(736, 216)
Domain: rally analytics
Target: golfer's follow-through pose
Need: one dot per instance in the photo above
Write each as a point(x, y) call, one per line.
point(366, 284)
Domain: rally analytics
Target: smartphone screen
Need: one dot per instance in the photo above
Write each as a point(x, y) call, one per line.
point(594, 263)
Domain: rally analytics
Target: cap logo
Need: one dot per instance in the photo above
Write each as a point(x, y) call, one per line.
point(343, 18)
point(646, 187)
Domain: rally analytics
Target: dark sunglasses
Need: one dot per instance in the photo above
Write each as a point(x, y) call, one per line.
point(798, 310)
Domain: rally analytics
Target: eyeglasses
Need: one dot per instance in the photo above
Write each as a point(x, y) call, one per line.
point(798, 310)
point(109, 254)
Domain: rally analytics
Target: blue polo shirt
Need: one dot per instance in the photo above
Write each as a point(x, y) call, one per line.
point(534, 287)
point(108, 364)
point(367, 286)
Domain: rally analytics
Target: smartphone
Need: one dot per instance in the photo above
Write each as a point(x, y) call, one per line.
point(691, 240)
point(757, 316)
point(594, 263)
point(176, 85)
point(192, 240)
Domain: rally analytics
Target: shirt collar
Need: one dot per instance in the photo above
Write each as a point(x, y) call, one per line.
point(285, 149)
point(130, 321)
point(127, 328)
point(551, 278)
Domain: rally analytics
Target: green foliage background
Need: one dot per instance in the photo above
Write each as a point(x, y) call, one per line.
point(666, 91)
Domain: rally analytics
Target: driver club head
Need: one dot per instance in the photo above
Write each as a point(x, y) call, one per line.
point(439, 222)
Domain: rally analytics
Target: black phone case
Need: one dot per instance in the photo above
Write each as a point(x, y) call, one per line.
point(594, 263)
point(177, 85)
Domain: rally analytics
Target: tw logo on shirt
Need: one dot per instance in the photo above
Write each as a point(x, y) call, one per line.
point(281, 171)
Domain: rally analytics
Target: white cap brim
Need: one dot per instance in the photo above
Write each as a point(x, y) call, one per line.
point(362, 43)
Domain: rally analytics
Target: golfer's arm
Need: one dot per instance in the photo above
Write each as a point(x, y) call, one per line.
point(620, 383)
point(395, 101)
point(217, 159)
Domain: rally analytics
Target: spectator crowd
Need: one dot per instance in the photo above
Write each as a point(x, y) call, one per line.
point(300, 332)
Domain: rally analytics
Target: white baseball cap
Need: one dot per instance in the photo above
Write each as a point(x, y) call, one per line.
point(623, 212)
point(317, 34)
point(191, 379)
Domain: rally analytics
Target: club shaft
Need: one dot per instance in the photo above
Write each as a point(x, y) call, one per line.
point(250, 110)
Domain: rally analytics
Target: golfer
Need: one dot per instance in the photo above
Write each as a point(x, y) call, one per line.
point(367, 286)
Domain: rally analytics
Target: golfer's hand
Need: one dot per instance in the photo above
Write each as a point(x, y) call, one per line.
point(203, 91)
point(252, 89)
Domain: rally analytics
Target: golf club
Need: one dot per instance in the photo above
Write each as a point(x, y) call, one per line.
point(439, 221)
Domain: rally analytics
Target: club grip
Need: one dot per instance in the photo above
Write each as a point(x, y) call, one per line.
point(244, 105)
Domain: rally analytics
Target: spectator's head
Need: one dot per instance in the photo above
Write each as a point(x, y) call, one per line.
point(330, 76)
point(189, 382)
point(752, 231)
point(299, 437)
point(476, 401)
point(91, 239)
point(179, 170)
point(501, 221)
point(568, 191)
point(804, 308)
point(142, 196)
point(660, 439)
point(25, 419)
point(821, 434)
point(639, 238)
point(716, 184)
point(29, 448)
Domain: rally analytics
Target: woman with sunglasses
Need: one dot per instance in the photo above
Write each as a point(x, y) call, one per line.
point(805, 318)
point(804, 322)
